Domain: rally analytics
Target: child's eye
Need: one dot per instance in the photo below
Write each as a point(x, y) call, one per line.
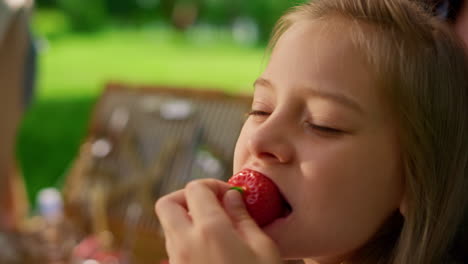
point(324, 129)
point(257, 113)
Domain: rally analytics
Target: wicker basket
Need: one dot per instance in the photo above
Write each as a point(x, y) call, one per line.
point(143, 142)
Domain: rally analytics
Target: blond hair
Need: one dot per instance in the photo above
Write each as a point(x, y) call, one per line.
point(422, 70)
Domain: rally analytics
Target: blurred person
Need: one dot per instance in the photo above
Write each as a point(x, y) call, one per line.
point(17, 67)
point(360, 120)
point(455, 12)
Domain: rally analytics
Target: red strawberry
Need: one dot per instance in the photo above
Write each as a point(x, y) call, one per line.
point(262, 198)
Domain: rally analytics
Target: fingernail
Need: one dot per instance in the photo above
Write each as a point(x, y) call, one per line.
point(234, 199)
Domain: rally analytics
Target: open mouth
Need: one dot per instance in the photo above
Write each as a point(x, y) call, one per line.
point(286, 212)
point(287, 208)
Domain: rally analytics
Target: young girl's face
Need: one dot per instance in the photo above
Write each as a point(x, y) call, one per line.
point(321, 131)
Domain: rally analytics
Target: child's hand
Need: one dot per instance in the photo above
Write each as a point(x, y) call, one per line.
point(199, 229)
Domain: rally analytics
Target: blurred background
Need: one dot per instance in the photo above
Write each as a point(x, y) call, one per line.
point(83, 44)
point(113, 104)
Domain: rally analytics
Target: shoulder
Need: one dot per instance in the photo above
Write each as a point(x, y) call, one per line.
point(9, 9)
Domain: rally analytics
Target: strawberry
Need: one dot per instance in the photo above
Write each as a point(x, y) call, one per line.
point(262, 198)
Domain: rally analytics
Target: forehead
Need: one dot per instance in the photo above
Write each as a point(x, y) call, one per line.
point(321, 54)
point(328, 41)
point(318, 51)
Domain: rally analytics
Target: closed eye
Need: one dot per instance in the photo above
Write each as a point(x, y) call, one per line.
point(321, 129)
point(324, 129)
point(257, 113)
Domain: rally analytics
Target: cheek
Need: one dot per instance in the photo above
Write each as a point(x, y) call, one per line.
point(361, 177)
point(367, 165)
point(353, 188)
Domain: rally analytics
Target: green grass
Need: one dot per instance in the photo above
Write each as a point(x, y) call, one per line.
point(74, 68)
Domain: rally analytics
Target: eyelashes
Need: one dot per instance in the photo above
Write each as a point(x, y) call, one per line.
point(325, 129)
point(315, 127)
point(257, 113)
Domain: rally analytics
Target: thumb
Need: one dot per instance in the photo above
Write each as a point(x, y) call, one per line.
point(235, 208)
point(245, 224)
point(252, 234)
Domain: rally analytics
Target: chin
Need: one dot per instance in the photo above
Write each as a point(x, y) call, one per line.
point(292, 244)
point(281, 231)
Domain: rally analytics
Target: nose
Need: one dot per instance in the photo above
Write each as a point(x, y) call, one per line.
point(271, 142)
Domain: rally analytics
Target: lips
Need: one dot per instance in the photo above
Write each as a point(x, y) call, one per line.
point(262, 197)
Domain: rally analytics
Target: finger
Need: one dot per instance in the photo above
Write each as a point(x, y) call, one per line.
point(203, 202)
point(177, 197)
point(235, 208)
point(248, 228)
point(219, 188)
point(172, 213)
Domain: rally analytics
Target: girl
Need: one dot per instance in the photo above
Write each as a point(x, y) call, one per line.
point(360, 118)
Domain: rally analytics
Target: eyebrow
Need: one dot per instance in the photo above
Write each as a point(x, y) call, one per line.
point(336, 97)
